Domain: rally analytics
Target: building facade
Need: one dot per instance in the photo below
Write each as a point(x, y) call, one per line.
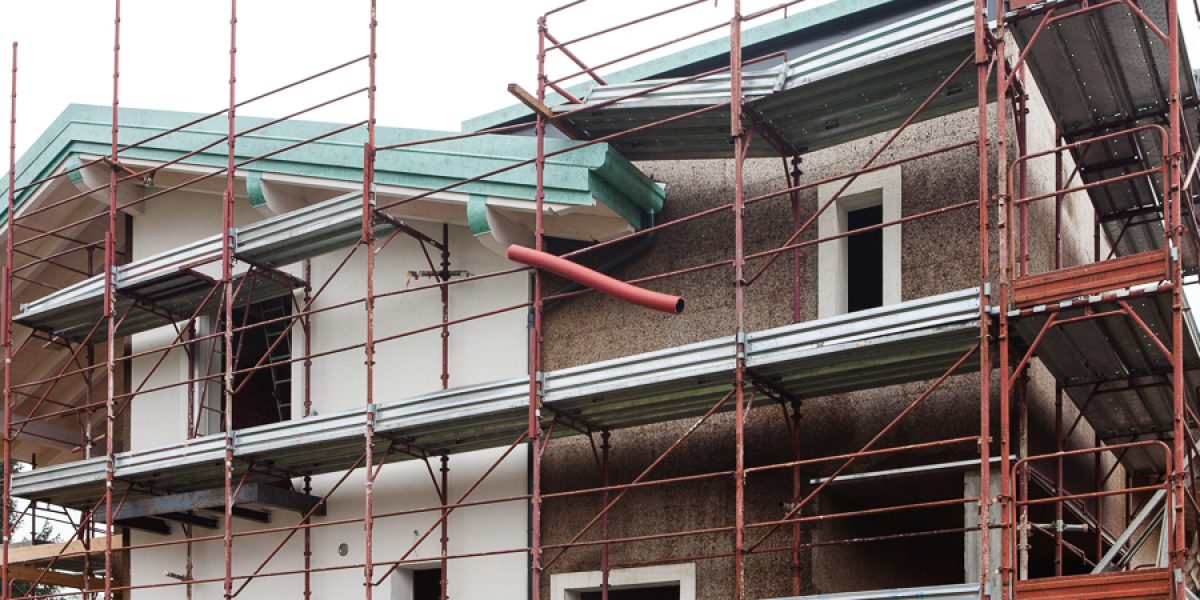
point(324, 374)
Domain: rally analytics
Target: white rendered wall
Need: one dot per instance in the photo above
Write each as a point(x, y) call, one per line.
point(481, 350)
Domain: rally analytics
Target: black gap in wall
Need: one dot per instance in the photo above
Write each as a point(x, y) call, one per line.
point(864, 260)
point(665, 592)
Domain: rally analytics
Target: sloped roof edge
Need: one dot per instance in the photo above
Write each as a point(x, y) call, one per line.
point(662, 66)
point(594, 172)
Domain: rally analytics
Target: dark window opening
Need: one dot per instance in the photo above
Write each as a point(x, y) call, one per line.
point(263, 395)
point(864, 260)
point(427, 584)
point(662, 592)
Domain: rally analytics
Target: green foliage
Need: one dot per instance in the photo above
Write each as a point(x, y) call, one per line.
point(44, 534)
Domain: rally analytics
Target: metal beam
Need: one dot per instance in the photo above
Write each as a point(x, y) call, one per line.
point(143, 523)
point(250, 493)
point(1129, 531)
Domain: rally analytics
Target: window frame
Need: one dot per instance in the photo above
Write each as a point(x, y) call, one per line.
point(402, 579)
point(882, 188)
point(571, 586)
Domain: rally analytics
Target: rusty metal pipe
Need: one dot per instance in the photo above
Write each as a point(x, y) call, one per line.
point(596, 280)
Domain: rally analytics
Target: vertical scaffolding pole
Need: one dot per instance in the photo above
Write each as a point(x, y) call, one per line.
point(1021, 121)
point(444, 496)
point(737, 132)
point(1006, 247)
point(306, 328)
point(1179, 385)
point(605, 446)
point(1059, 447)
point(89, 381)
point(1098, 485)
point(1058, 202)
point(1059, 443)
point(189, 572)
point(1020, 105)
point(444, 292)
point(192, 366)
point(534, 430)
point(368, 240)
point(86, 518)
point(227, 282)
point(1021, 520)
point(307, 543)
point(981, 148)
point(796, 483)
point(6, 333)
point(110, 263)
point(797, 256)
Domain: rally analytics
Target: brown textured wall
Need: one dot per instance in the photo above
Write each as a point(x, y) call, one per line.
point(940, 254)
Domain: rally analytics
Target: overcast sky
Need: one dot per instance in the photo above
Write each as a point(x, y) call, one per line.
point(439, 62)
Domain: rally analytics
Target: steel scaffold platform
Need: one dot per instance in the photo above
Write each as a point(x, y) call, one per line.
point(911, 341)
point(166, 288)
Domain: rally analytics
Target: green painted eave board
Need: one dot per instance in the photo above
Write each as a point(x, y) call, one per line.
point(794, 22)
point(573, 178)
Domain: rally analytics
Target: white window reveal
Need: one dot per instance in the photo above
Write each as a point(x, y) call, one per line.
point(417, 583)
point(665, 582)
point(860, 271)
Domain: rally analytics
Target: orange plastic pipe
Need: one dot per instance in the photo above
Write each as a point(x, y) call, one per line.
point(596, 280)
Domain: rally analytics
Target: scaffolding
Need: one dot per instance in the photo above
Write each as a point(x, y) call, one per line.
point(1114, 333)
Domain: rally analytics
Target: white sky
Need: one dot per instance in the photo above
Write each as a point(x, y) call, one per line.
point(439, 62)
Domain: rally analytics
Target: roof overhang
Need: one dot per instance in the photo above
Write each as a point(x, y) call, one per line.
point(591, 193)
point(801, 32)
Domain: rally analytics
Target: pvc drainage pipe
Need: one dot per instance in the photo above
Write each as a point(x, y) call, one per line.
point(596, 280)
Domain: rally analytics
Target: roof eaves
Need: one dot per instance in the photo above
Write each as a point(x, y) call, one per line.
point(569, 177)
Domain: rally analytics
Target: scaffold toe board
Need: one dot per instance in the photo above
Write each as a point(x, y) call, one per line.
point(868, 82)
point(910, 341)
point(167, 287)
point(1141, 584)
point(962, 591)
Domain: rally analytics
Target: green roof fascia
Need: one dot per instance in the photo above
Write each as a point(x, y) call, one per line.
point(593, 171)
point(798, 21)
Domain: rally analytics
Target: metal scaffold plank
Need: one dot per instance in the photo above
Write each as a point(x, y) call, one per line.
point(647, 388)
point(170, 282)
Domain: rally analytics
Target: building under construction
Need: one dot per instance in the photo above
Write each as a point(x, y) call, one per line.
point(873, 299)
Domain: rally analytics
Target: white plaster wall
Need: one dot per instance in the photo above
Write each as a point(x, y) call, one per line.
point(482, 350)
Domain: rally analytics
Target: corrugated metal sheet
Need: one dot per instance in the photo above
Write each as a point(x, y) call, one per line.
point(1106, 71)
point(1107, 356)
point(868, 83)
point(904, 342)
point(167, 282)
